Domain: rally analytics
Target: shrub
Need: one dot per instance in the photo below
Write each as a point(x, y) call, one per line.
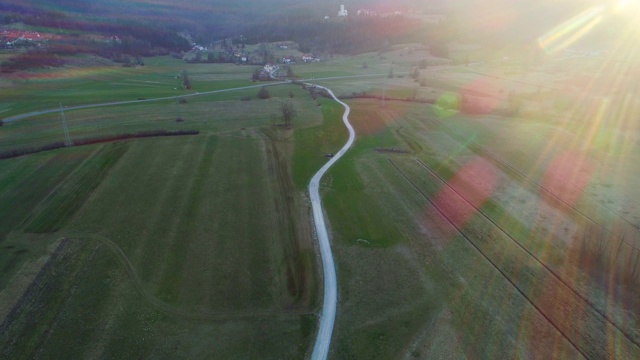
point(263, 93)
point(31, 60)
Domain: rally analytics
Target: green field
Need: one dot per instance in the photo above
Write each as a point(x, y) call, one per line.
point(189, 246)
point(161, 77)
point(455, 235)
point(427, 273)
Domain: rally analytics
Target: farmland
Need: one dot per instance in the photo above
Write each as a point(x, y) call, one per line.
point(147, 247)
point(457, 236)
point(457, 233)
point(157, 232)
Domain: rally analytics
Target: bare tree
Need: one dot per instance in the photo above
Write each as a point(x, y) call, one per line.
point(186, 82)
point(415, 74)
point(263, 93)
point(288, 112)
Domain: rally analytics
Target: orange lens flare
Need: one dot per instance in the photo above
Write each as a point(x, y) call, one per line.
point(466, 191)
point(566, 177)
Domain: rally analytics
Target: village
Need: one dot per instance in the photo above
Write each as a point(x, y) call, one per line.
point(15, 39)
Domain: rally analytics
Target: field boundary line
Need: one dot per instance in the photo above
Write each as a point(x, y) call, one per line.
point(36, 209)
point(537, 260)
point(494, 265)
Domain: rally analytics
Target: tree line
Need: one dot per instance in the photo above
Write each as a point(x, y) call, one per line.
point(350, 36)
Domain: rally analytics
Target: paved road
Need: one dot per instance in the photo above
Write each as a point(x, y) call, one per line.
point(329, 304)
point(114, 103)
point(87, 106)
point(42, 112)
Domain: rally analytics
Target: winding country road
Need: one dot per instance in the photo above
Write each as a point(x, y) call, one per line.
point(328, 313)
point(329, 304)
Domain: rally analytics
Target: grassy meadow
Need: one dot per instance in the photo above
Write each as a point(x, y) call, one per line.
point(72, 86)
point(447, 252)
point(186, 246)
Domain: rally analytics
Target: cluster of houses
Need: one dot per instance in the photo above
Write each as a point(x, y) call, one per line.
point(306, 58)
point(367, 12)
point(11, 39)
point(429, 18)
point(343, 12)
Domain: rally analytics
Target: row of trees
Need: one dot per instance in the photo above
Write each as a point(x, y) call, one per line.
point(31, 59)
point(342, 37)
point(137, 36)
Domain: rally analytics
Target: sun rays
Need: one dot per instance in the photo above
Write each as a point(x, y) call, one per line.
point(570, 31)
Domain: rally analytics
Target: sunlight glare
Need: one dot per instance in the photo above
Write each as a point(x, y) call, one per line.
point(624, 4)
point(567, 33)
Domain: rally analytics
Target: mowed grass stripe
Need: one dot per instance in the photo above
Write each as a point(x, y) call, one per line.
point(60, 207)
point(168, 249)
point(30, 182)
point(26, 330)
point(150, 181)
point(135, 207)
point(197, 266)
point(182, 232)
point(236, 220)
point(227, 252)
point(158, 246)
point(180, 158)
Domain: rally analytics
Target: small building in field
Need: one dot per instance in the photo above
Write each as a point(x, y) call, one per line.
point(343, 12)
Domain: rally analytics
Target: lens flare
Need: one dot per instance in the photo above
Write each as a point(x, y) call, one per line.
point(570, 31)
point(566, 177)
point(467, 191)
point(625, 5)
point(447, 105)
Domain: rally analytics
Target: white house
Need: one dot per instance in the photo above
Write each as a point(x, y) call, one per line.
point(342, 11)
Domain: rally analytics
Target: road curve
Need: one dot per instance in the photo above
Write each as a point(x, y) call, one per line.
point(126, 102)
point(329, 304)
